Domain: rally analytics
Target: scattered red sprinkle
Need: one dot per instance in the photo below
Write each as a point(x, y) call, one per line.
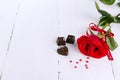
point(80, 60)
point(88, 58)
point(70, 61)
point(75, 66)
point(87, 61)
point(77, 62)
point(86, 67)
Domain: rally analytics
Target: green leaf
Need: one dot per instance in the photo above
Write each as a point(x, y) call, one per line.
point(102, 12)
point(103, 24)
point(108, 2)
point(91, 32)
point(109, 30)
point(111, 43)
point(118, 4)
point(105, 21)
point(100, 35)
point(97, 6)
point(116, 20)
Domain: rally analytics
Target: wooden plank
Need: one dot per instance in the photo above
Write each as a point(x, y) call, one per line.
point(32, 55)
point(8, 9)
point(116, 52)
point(75, 17)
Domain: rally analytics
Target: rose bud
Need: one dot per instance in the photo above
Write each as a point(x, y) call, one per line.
point(92, 46)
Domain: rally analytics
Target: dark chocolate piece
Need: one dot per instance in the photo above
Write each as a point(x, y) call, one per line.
point(70, 39)
point(63, 50)
point(61, 41)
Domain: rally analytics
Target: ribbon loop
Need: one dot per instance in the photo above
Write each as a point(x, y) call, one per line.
point(95, 27)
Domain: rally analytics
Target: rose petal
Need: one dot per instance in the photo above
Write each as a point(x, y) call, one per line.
point(92, 46)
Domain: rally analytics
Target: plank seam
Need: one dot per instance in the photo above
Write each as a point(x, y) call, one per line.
point(10, 39)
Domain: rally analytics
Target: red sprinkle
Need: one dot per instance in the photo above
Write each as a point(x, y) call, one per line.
point(86, 67)
point(77, 62)
point(75, 66)
point(80, 60)
point(88, 58)
point(70, 61)
point(87, 61)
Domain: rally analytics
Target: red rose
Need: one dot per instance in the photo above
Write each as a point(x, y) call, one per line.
point(93, 46)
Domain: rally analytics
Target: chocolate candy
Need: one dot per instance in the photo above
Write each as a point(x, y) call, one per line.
point(61, 41)
point(63, 50)
point(70, 39)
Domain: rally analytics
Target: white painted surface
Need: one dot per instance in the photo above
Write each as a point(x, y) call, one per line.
point(8, 9)
point(32, 53)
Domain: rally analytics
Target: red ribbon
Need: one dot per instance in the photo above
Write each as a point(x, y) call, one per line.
point(94, 27)
point(109, 55)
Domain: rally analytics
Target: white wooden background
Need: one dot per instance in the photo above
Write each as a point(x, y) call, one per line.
point(28, 32)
